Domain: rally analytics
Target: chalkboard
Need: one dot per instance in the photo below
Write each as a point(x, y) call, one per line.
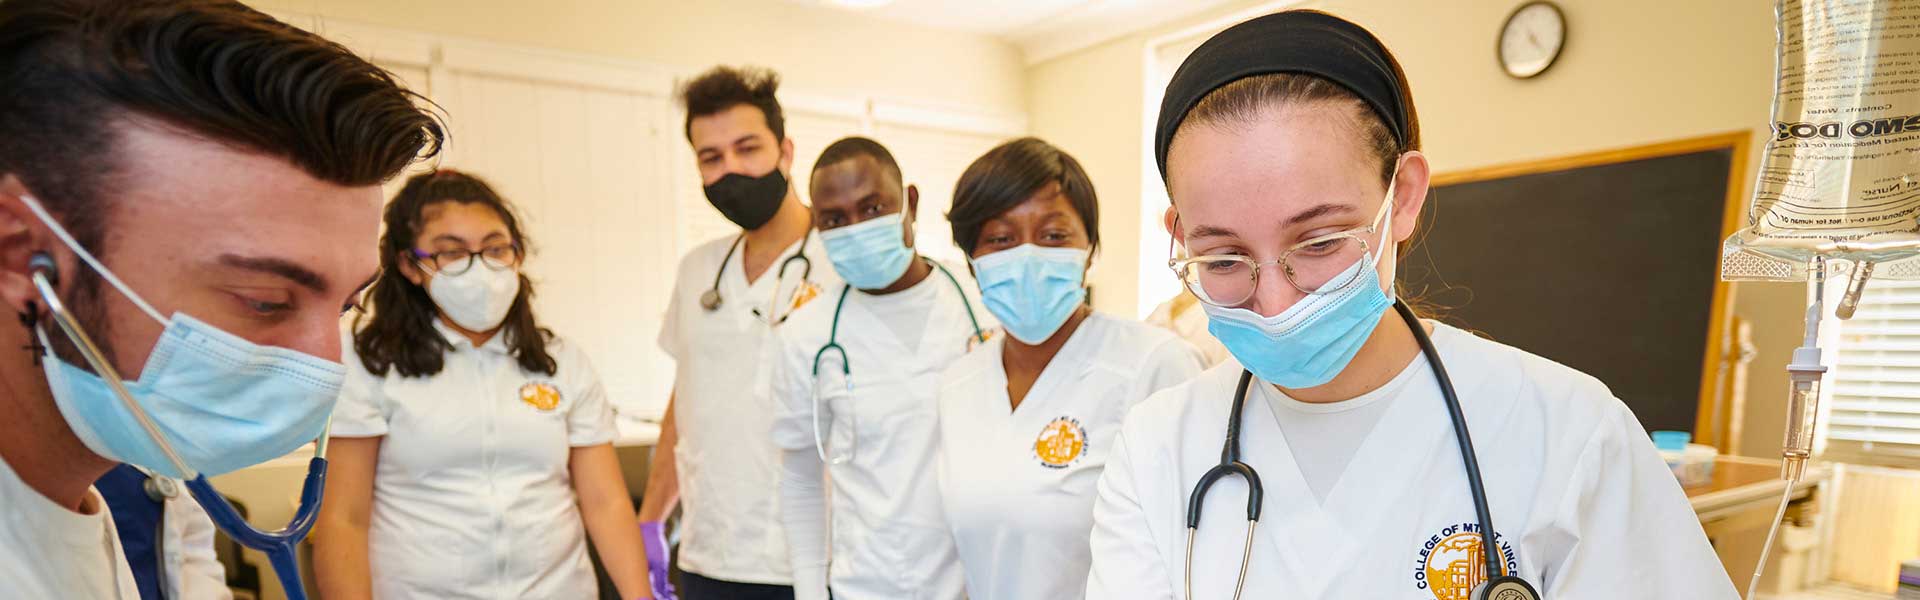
point(1607, 263)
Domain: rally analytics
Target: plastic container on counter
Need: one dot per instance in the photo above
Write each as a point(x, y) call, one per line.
point(1691, 463)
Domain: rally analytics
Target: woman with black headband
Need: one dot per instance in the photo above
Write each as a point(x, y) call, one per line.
point(1351, 449)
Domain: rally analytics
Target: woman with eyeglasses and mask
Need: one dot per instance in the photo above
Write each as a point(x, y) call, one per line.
point(1351, 449)
point(471, 448)
point(1027, 420)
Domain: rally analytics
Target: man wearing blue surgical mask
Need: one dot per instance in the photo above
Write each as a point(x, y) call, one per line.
point(189, 192)
point(854, 385)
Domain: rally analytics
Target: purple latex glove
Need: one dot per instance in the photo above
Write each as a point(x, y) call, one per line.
point(653, 536)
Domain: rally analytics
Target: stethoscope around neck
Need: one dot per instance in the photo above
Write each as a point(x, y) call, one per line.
point(711, 300)
point(280, 546)
point(846, 366)
point(1500, 585)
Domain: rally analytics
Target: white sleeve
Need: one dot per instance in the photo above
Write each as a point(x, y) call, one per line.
point(1625, 528)
point(1125, 563)
point(791, 383)
point(1171, 363)
point(803, 512)
point(590, 419)
point(803, 507)
point(196, 571)
point(360, 411)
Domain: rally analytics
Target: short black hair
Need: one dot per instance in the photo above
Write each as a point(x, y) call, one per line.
point(724, 87)
point(849, 148)
point(1011, 173)
point(73, 72)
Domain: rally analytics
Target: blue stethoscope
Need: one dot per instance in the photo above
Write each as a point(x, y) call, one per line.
point(280, 546)
point(846, 366)
point(1500, 585)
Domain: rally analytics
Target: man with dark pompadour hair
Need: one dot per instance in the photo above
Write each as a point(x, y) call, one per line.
point(189, 196)
point(730, 296)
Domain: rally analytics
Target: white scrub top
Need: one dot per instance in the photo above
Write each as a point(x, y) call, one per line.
point(1182, 315)
point(728, 466)
point(1583, 505)
point(49, 551)
point(888, 537)
point(472, 497)
point(193, 568)
point(1018, 486)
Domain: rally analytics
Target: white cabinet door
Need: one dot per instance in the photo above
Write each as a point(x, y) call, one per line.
point(585, 166)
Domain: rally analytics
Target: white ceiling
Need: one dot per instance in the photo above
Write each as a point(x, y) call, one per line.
point(987, 17)
point(1042, 29)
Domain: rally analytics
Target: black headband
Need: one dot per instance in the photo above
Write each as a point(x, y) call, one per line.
point(1296, 41)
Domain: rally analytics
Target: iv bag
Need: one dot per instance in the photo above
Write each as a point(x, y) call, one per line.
point(1841, 174)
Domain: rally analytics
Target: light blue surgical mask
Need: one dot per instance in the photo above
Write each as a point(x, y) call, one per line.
point(218, 402)
point(872, 254)
point(1032, 290)
point(1311, 342)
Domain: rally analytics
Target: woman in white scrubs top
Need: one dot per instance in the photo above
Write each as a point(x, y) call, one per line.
point(472, 451)
point(1290, 148)
point(1028, 419)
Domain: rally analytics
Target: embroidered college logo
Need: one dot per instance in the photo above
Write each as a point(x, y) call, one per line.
point(803, 294)
point(1451, 562)
point(1061, 442)
point(976, 341)
point(540, 395)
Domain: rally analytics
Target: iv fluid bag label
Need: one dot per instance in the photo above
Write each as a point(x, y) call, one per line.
point(1840, 177)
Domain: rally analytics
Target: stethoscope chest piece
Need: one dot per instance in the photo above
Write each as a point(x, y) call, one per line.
point(711, 299)
point(160, 489)
point(1506, 587)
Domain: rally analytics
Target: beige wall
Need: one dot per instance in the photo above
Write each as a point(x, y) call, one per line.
point(1633, 72)
point(819, 52)
point(1089, 104)
point(814, 48)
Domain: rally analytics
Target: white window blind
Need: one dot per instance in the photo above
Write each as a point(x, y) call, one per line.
point(1156, 284)
point(1874, 410)
point(585, 164)
point(932, 160)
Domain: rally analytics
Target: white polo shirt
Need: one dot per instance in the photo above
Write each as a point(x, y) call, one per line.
point(472, 497)
point(723, 412)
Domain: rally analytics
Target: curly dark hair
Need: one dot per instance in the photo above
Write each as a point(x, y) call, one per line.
point(73, 70)
point(397, 330)
point(724, 87)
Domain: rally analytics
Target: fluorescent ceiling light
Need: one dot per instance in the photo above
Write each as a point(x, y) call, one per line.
point(859, 3)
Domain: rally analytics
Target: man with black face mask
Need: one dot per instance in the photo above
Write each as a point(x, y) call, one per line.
point(728, 298)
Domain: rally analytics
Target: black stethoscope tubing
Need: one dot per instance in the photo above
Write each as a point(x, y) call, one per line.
point(711, 299)
point(1231, 465)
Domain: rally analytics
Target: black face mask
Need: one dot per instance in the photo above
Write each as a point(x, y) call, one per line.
point(748, 201)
